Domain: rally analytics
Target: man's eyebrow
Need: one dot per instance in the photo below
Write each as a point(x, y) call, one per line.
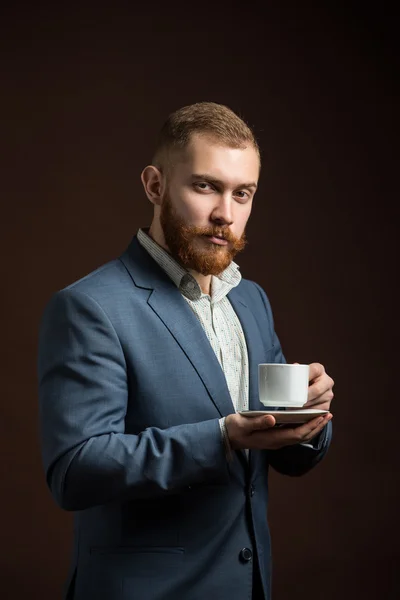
point(205, 177)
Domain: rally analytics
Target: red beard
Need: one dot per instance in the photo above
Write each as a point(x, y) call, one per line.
point(207, 259)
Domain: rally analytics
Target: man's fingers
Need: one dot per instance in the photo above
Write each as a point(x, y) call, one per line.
point(320, 391)
point(315, 370)
point(261, 433)
point(303, 433)
point(314, 427)
point(322, 403)
point(318, 428)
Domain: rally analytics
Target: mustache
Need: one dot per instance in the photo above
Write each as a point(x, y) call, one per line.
point(220, 232)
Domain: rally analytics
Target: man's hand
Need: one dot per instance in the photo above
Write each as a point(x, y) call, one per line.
point(259, 432)
point(320, 392)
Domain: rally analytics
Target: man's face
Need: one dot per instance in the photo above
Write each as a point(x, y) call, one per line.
point(207, 204)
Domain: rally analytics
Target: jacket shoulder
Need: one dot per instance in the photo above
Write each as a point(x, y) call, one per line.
point(106, 277)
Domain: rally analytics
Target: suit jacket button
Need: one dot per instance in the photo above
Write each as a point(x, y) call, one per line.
point(245, 555)
point(252, 490)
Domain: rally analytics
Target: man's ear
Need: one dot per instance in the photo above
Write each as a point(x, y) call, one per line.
point(153, 183)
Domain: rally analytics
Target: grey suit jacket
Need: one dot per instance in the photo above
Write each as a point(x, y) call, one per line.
point(130, 395)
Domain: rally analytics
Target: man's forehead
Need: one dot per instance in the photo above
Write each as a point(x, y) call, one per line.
point(207, 155)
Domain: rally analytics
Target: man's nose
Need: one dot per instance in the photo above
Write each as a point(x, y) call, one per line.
point(222, 213)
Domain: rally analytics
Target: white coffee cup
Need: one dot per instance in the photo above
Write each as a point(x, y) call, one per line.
point(283, 385)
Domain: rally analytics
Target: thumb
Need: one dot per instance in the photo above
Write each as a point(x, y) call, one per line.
point(264, 422)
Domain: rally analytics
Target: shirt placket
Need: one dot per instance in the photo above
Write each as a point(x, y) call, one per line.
point(220, 325)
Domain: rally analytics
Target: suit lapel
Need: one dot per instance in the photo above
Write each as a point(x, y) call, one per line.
point(177, 316)
point(167, 303)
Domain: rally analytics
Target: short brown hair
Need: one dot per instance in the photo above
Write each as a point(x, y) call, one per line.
point(207, 118)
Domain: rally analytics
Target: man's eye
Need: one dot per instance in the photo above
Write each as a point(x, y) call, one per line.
point(202, 185)
point(242, 195)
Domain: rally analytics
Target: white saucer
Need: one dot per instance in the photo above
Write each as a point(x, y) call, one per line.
point(286, 416)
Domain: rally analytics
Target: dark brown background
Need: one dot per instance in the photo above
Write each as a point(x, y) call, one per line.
point(85, 90)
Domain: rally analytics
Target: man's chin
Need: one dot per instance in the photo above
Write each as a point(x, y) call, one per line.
point(203, 256)
point(213, 265)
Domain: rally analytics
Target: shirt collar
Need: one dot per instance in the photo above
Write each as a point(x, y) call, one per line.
point(221, 285)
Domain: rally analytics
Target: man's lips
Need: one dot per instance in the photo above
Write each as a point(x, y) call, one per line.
point(217, 240)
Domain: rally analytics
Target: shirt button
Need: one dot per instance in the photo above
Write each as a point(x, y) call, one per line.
point(245, 555)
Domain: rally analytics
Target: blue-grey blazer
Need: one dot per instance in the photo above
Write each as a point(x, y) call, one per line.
point(130, 396)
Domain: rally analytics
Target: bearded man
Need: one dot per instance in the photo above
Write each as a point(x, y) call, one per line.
point(145, 366)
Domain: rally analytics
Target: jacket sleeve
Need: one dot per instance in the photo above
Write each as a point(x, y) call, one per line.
point(298, 459)
point(83, 395)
